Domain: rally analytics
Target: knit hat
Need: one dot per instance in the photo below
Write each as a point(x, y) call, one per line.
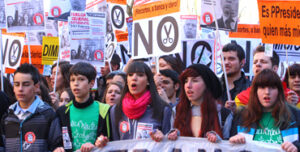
point(210, 79)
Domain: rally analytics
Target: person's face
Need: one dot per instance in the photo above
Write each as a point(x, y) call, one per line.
point(267, 97)
point(294, 83)
point(10, 20)
point(78, 5)
point(24, 87)
point(190, 28)
point(194, 88)
point(232, 63)
point(169, 86)
point(59, 79)
point(230, 7)
point(113, 95)
point(118, 78)
point(163, 65)
point(64, 98)
point(260, 62)
point(105, 70)
point(80, 86)
point(137, 84)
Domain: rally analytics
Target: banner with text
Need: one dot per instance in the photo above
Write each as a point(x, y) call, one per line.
point(156, 35)
point(187, 144)
point(279, 21)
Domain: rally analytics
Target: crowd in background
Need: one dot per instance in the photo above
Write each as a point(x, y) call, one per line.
point(137, 102)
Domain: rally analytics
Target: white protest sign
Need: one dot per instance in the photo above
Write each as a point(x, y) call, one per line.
point(24, 15)
point(187, 144)
point(156, 36)
point(12, 50)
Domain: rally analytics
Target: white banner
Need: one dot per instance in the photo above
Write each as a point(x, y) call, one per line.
point(12, 50)
point(156, 36)
point(187, 144)
point(24, 15)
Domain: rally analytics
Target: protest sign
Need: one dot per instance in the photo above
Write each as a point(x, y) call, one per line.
point(61, 9)
point(64, 37)
point(129, 29)
point(189, 26)
point(12, 46)
point(118, 14)
point(36, 56)
point(87, 35)
point(50, 50)
point(226, 13)
point(198, 51)
point(187, 144)
point(160, 34)
point(24, 15)
point(2, 14)
point(246, 31)
point(279, 21)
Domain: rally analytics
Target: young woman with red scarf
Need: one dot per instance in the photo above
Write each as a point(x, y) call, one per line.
point(142, 113)
point(197, 114)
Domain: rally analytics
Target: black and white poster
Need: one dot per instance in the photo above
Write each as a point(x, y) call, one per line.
point(24, 15)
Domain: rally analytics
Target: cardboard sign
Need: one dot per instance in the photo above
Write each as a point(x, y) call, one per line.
point(246, 31)
point(155, 35)
point(12, 45)
point(279, 21)
point(50, 50)
point(36, 56)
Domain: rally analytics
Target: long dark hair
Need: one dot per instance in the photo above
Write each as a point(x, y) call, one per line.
point(157, 103)
point(64, 67)
point(253, 112)
point(292, 70)
point(209, 111)
point(175, 63)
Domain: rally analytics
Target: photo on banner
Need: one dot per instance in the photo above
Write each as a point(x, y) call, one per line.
point(2, 15)
point(226, 13)
point(87, 37)
point(189, 26)
point(24, 15)
point(61, 9)
point(64, 37)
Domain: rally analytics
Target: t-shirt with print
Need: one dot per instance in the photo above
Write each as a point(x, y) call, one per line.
point(269, 133)
point(84, 124)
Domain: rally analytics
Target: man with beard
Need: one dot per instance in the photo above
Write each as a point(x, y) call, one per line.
point(234, 60)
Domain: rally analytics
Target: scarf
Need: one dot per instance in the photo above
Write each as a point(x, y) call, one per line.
point(135, 108)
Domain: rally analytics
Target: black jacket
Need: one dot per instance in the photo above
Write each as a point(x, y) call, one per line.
point(42, 126)
point(239, 85)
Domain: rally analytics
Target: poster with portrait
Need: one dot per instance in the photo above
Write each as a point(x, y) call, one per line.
point(24, 15)
point(61, 9)
point(223, 12)
point(87, 37)
point(2, 14)
point(189, 26)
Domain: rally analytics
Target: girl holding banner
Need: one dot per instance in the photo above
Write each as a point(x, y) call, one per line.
point(197, 111)
point(141, 113)
point(268, 117)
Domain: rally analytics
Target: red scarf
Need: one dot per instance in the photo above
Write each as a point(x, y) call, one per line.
point(135, 108)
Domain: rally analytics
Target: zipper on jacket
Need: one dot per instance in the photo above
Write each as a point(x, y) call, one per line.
point(21, 131)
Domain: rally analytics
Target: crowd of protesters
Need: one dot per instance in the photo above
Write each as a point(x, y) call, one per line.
point(63, 114)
